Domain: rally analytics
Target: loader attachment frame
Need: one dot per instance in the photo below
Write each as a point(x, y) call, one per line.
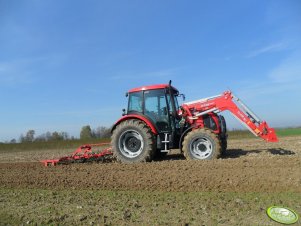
point(228, 101)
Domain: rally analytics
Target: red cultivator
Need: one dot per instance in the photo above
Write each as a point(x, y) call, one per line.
point(83, 154)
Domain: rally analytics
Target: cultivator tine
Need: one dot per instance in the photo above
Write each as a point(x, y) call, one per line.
point(83, 154)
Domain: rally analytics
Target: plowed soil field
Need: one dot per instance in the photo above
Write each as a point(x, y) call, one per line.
point(233, 190)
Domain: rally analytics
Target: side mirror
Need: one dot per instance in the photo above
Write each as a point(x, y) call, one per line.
point(126, 94)
point(123, 112)
point(183, 96)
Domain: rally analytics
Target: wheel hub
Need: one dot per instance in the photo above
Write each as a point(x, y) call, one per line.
point(201, 148)
point(131, 143)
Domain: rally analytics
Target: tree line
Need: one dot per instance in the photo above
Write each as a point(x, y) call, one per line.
point(86, 133)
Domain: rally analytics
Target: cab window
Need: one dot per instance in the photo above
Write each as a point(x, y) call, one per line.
point(135, 102)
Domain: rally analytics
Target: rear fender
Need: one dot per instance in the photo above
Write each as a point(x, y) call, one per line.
point(145, 120)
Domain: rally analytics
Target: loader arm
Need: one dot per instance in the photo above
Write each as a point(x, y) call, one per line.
point(227, 101)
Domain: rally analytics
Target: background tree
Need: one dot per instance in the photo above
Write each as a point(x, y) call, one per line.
point(86, 132)
point(41, 137)
point(29, 137)
point(44, 137)
point(56, 136)
point(22, 138)
point(48, 136)
point(101, 132)
point(64, 135)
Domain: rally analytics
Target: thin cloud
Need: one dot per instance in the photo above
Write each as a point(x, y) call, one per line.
point(12, 73)
point(22, 71)
point(17, 71)
point(286, 77)
point(289, 71)
point(266, 90)
point(267, 49)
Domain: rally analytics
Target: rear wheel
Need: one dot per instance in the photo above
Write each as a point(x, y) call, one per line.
point(201, 144)
point(132, 141)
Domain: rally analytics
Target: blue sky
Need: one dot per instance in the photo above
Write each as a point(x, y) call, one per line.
point(66, 64)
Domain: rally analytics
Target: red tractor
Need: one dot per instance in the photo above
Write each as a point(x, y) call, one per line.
point(154, 123)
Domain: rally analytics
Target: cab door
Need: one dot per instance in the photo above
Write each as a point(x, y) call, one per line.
point(156, 108)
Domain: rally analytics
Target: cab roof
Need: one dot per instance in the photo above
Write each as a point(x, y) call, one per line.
point(151, 87)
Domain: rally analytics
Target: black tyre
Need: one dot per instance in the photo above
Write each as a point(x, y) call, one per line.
point(133, 141)
point(201, 144)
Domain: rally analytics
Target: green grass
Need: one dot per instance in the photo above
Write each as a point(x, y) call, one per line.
point(288, 131)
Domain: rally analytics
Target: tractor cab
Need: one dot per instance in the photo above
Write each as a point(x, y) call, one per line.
point(159, 105)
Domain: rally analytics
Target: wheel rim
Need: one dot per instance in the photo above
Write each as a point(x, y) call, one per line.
point(131, 143)
point(201, 148)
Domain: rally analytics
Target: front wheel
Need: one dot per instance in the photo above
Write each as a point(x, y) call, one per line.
point(201, 144)
point(132, 141)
